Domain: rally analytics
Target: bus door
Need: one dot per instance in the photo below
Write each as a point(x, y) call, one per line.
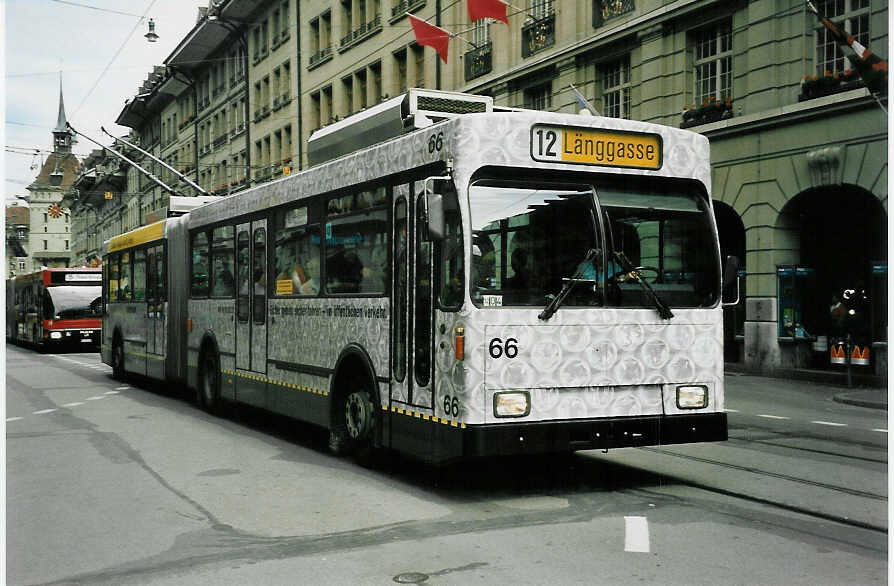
point(251, 312)
point(156, 316)
point(412, 323)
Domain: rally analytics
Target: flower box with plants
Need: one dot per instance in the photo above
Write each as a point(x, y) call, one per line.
point(711, 110)
point(817, 86)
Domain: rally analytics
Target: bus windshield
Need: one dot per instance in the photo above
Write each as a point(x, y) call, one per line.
point(72, 302)
point(529, 241)
point(527, 238)
point(666, 236)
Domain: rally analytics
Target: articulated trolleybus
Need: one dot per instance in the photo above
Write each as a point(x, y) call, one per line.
point(447, 280)
point(54, 307)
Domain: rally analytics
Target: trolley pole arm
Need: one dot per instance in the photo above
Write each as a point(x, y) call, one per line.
point(128, 161)
point(159, 161)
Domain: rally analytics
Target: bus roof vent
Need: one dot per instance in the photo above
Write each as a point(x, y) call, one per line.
point(416, 109)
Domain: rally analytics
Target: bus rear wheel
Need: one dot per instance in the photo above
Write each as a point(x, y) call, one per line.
point(118, 360)
point(209, 382)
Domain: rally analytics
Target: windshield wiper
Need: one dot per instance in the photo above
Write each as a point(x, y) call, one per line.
point(556, 301)
point(663, 310)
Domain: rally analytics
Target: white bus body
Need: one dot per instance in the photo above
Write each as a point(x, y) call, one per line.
point(484, 375)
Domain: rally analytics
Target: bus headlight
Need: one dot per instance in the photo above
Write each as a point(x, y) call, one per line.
point(692, 397)
point(55, 335)
point(512, 404)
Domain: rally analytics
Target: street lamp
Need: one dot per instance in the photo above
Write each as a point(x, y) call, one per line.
point(151, 36)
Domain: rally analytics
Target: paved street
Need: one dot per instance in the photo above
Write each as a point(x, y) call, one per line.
point(111, 483)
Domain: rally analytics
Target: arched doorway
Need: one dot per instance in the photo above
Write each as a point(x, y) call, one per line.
point(731, 231)
point(841, 238)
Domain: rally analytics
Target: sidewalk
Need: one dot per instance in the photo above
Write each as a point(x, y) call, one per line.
point(867, 390)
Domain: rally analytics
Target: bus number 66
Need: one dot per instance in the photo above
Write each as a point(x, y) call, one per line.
point(497, 348)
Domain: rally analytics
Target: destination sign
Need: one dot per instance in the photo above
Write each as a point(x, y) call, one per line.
point(566, 144)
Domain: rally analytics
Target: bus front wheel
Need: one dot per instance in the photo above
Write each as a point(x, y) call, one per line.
point(354, 428)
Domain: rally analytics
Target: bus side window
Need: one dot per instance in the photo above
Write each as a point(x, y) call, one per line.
point(139, 275)
point(243, 269)
point(125, 286)
point(259, 268)
point(223, 283)
point(114, 273)
point(296, 253)
point(199, 270)
point(161, 265)
point(151, 297)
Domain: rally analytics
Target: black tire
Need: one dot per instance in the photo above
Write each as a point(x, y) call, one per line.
point(118, 360)
point(353, 430)
point(209, 382)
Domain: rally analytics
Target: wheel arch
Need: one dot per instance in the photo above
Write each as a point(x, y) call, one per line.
point(353, 360)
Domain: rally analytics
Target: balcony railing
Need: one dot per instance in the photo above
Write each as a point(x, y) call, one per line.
point(479, 61)
point(320, 56)
point(400, 9)
point(222, 139)
point(363, 31)
point(538, 35)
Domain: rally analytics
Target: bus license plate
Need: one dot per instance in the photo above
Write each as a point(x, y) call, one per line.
point(587, 146)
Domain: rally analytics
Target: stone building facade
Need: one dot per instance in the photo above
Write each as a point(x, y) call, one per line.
point(799, 144)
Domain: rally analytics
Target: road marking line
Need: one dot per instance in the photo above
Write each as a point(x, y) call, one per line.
point(772, 416)
point(43, 411)
point(881, 430)
point(636, 534)
point(832, 423)
point(731, 410)
point(72, 404)
point(111, 393)
point(122, 388)
point(94, 398)
point(8, 419)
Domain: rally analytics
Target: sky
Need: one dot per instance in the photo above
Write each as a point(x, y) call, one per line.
point(103, 57)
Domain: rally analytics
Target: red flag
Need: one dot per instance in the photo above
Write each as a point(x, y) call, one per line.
point(479, 9)
point(430, 35)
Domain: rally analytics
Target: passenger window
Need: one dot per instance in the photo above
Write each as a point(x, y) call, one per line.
point(139, 275)
point(357, 244)
point(296, 253)
point(199, 279)
point(259, 267)
point(125, 287)
point(244, 272)
point(223, 283)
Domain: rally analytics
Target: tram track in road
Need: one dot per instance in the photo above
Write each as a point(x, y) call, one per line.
point(776, 503)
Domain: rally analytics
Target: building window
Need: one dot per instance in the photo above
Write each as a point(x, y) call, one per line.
point(347, 86)
point(714, 63)
point(616, 89)
point(400, 68)
point(853, 17)
point(21, 265)
point(539, 97)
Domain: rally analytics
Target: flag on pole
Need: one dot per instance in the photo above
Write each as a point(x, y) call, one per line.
point(431, 36)
point(871, 67)
point(479, 9)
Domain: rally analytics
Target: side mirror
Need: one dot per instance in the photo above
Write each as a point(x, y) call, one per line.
point(434, 211)
point(730, 287)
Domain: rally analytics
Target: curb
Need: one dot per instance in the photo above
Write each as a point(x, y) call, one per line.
point(861, 400)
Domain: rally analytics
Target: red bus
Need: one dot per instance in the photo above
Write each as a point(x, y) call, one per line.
point(55, 307)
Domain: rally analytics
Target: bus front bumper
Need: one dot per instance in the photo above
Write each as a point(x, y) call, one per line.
point(591, 434)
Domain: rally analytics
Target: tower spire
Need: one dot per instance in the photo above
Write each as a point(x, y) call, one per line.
point(61, 134)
